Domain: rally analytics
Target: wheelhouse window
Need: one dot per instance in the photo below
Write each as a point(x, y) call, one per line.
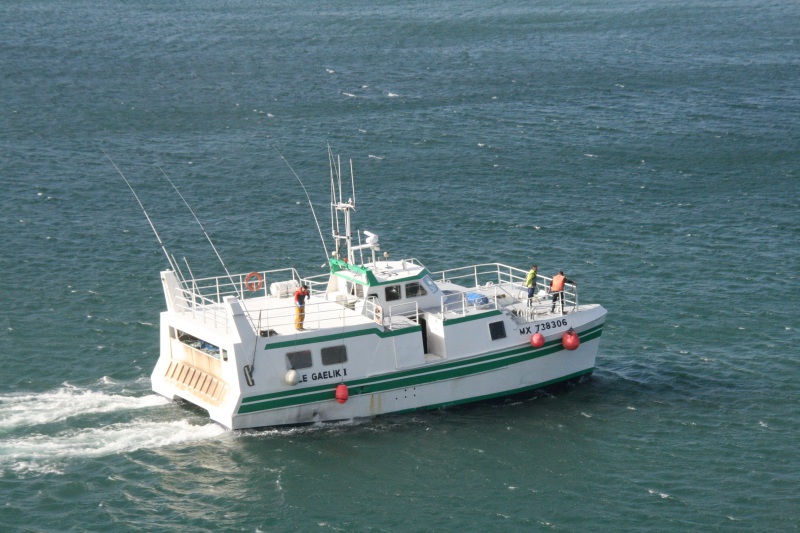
point(393, 293)
point(415, 289)
point(430, 284)
point(497, 330)
point(334, 355)
point(354, 289)
point(298, 360)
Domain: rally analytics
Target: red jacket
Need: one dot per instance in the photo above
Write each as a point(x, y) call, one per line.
point(300, 296)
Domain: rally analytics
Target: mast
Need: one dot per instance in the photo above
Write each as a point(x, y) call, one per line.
point(340, 207)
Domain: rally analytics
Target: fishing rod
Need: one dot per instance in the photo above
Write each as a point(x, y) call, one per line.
point(309, 200)
point(164, 248)
point(233, 284)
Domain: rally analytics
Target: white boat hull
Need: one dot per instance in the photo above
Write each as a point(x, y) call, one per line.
point(515, 378)
point(222, 388)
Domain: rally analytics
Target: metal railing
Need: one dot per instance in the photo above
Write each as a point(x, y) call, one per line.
point(202, 308)
point(203, 297)
point(462, 302)
point(482, 277)
point(323, 315)
point(239, 285)
point(317, 315)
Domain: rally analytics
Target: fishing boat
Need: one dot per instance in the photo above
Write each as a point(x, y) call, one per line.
point(379, 335)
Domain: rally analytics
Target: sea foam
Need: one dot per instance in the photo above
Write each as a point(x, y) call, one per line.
point(49, 453)
point(18, 410)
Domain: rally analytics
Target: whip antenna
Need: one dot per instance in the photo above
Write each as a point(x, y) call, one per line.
point(204, 232)
point(164, 248)
point(309, 200)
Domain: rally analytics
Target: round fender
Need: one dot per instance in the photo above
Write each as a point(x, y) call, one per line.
point(341, 393)
point(570, 340)
point(537, 340)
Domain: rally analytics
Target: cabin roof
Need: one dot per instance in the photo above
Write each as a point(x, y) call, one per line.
point(380, 272)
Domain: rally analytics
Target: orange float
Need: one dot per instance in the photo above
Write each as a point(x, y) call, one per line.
point(570, 340)
point(341, 393)
point(537, 340)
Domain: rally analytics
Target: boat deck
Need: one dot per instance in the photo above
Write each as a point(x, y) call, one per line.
point(276, 316)
point(510, 296)
point(464, 291)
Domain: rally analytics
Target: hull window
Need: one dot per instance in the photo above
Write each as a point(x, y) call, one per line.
point(298, 360)
point(334, 355)
point(497, 330)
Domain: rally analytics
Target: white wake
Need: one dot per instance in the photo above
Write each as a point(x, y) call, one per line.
point(31, 409)
point(28, 446)
point(48, 453)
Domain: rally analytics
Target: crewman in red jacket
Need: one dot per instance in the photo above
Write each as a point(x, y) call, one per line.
point(300, 296)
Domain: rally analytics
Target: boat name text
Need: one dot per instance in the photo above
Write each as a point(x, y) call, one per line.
point(327, 374)
point(543, 326)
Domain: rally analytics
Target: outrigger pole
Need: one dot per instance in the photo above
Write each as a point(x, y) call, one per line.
point(311, 205)
point(233, 284)
point(164, 248)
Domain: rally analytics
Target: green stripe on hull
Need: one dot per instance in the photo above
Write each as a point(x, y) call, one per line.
point(410, 378)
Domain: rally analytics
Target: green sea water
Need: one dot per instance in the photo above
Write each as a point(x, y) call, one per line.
point(650, 149)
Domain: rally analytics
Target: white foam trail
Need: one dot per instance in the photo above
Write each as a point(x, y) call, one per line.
point(46, 453)
point(47, 407)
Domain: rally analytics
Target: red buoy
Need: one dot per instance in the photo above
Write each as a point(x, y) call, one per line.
point(570, 340)
point(341, 393)
point(537, 340)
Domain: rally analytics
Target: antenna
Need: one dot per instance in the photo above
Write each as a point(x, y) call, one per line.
point(338, 205)
point(311, 205)
point(334, 200)
point(204, 233)
point(353, 182)
point(164, 248)
point(339, 174)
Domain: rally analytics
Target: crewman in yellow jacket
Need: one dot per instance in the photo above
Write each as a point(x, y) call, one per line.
point(530, 283)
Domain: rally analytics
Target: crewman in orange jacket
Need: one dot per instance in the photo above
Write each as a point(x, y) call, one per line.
point(557, 288)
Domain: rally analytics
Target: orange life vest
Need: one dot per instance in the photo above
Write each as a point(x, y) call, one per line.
point(558, 283)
